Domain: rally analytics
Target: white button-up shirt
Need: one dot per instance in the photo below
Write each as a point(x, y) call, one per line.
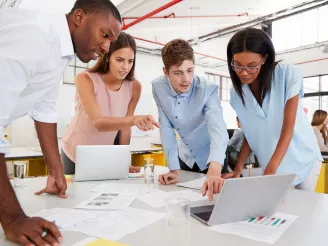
point(35, 49)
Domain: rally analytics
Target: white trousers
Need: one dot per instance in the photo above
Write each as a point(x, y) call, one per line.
point(310, 181)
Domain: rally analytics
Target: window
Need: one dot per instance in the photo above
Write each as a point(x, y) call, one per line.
point(299, 30)
point(279, 34)
point(225, 88)
point(224, 84)
point(75, 68)
point(315, 94)
point(309, 27)
point(311, 104)
point(294, 35)
point(324, 83)
point(324, 103)
point(311, 84)
point(322, 23)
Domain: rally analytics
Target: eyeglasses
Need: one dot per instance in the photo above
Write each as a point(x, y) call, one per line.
point(248, 69)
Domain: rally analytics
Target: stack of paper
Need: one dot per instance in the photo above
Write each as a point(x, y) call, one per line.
point(158, 198)
point(109, 200)
point(116, 224)
point(193, 184)
point(263, 229)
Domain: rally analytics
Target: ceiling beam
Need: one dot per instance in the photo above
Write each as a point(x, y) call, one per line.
point(150, 14)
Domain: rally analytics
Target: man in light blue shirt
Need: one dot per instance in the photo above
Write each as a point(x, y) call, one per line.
point(190, 106)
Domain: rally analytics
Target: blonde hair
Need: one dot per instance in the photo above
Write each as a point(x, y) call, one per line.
point(318, 118)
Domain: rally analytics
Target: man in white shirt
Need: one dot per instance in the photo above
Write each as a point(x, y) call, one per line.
point(34, 52)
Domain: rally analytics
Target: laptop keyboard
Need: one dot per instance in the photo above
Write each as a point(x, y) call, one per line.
point(204, 215)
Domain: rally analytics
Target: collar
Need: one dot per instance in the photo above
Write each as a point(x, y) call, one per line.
point(176, 94)
point(62, 29)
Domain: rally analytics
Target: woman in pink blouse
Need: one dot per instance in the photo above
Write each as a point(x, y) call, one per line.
point(106, 98)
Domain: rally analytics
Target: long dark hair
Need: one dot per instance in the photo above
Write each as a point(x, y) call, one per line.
point(318, 118)
point(256, 41)
point(124, 40)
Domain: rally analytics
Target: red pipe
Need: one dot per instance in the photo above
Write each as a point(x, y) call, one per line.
point(172, 15)
point(201, 54)
point(321, 59)
point(151, 14)
point(148, 41)
point(213, 57)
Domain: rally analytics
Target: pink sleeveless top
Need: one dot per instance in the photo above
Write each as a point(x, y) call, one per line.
point(81, 131)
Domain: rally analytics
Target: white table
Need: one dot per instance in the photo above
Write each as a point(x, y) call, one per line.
point(309, 229)
point(23, 153)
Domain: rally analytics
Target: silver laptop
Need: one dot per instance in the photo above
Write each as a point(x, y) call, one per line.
point(243, 198)
point(101, 162)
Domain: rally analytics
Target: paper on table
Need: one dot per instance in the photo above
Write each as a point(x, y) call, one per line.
point(139, 176)
point(49, 212)
point(158, 198)
point(117, 187)
point(193, 184)
point(109, 200)
point(116, 224)
point(65, 217)
point(262, 229)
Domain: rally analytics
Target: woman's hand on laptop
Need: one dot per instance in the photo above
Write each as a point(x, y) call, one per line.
point(145, 122)
point(213, 183)
point(232, 175)
point(56, 185)
point(169, 178)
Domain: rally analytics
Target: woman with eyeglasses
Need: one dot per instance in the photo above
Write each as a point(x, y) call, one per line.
point(267, 98)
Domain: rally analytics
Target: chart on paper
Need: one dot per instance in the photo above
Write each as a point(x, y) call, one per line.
point(269, 221)
point(264, 229)
point(108, 200)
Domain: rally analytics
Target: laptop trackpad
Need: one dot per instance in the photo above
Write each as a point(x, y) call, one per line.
point(203, 212)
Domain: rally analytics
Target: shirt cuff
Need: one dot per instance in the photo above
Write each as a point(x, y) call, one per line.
point(4, 145)
point(217, 155)
point(49, 116)
point(172, 159)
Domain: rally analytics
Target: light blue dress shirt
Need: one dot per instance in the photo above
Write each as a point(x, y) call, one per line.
point(262, 125)
point(197, 117)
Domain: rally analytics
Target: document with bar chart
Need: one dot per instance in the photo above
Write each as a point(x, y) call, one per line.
point(262, 229)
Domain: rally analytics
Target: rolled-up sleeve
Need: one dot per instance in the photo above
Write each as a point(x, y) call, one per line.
point(294, 82)
point(45, 111)
point(168, 137)
point(217, 128)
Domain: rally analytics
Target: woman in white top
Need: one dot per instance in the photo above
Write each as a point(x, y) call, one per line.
point(319, 124)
